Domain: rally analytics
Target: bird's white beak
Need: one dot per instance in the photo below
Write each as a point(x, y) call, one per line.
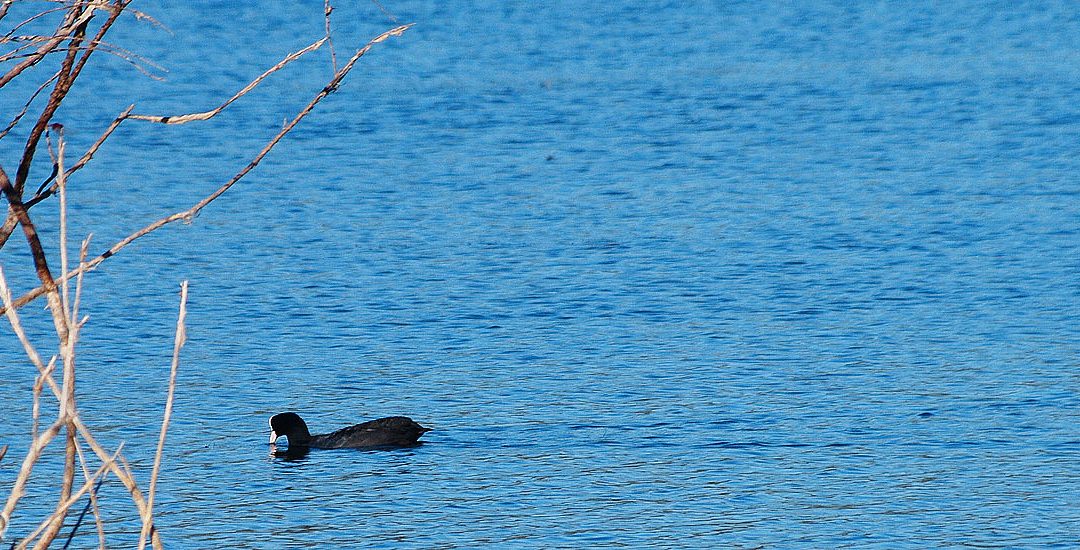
point(273, 436)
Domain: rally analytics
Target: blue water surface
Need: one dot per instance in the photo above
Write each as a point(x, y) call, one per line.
point(721, 274)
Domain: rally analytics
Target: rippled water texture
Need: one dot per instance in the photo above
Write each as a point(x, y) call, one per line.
point(665, 275)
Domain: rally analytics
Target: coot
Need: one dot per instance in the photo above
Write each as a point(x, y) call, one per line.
point(392, 431)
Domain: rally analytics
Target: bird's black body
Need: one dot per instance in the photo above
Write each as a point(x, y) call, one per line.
point(392, 431)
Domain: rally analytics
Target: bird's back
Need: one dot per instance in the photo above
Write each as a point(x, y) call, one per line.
point(393, 431)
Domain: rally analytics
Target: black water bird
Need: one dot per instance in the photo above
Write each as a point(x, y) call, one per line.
point(392, 431)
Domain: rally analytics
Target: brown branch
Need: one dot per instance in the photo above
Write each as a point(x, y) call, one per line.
point(132, 58)
point(74, 19)
point(67, 74)
point(190, 213)
point(41, 265)
point(60, 90)
point(117, 9)
point(26, 49)
point(89, 154)
point(9, 224)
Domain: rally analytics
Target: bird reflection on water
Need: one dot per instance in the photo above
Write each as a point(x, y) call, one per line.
point(289, 454)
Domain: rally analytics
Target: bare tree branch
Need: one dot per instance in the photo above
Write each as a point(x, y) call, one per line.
point(69, 71)
point(66, 504)
point(181, 337)
point(63, 33)
point(9, 225)
point(67, 354)
point(181, 119)
point(190, 213)
point(327, 10)
point(123, 475)
point(93, 504)
point(15, 121)
point(18, 489)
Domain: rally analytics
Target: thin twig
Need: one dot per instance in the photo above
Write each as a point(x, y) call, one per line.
point(178, 343)
point(76, 20)
point(388, 15)
point(91, 504)
point(9, 224)
point(327, 10)
point(26, 107)
point(18, 489)
point(12, 220)
point(66, 29)
point(89, 154)
point(56, 97)
point(39, 383)
point(29, 20)
point(119, 469)
point(61, 181)
point(78, 280)
point(16, 327)
point(181, 119)
point(66, 504)
point(141, 63)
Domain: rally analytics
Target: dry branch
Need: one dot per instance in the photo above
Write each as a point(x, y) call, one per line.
point(18, 489)
point(68, 338)
point(65, 505)
point(327, 10)
point(73, 27)
point(16, 326)
point(10, 36)
point(123, 475)
point(178, 343)
point(181, 119)
point(66, 30)
point(89, 154)
point(12, 220)
point(93, 504)
point(39, 384)
point(190, 213)
point(26, 107)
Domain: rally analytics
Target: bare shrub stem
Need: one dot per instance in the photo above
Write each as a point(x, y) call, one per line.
point(178, 343)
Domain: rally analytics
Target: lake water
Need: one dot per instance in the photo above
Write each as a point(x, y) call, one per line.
point(730, 274)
